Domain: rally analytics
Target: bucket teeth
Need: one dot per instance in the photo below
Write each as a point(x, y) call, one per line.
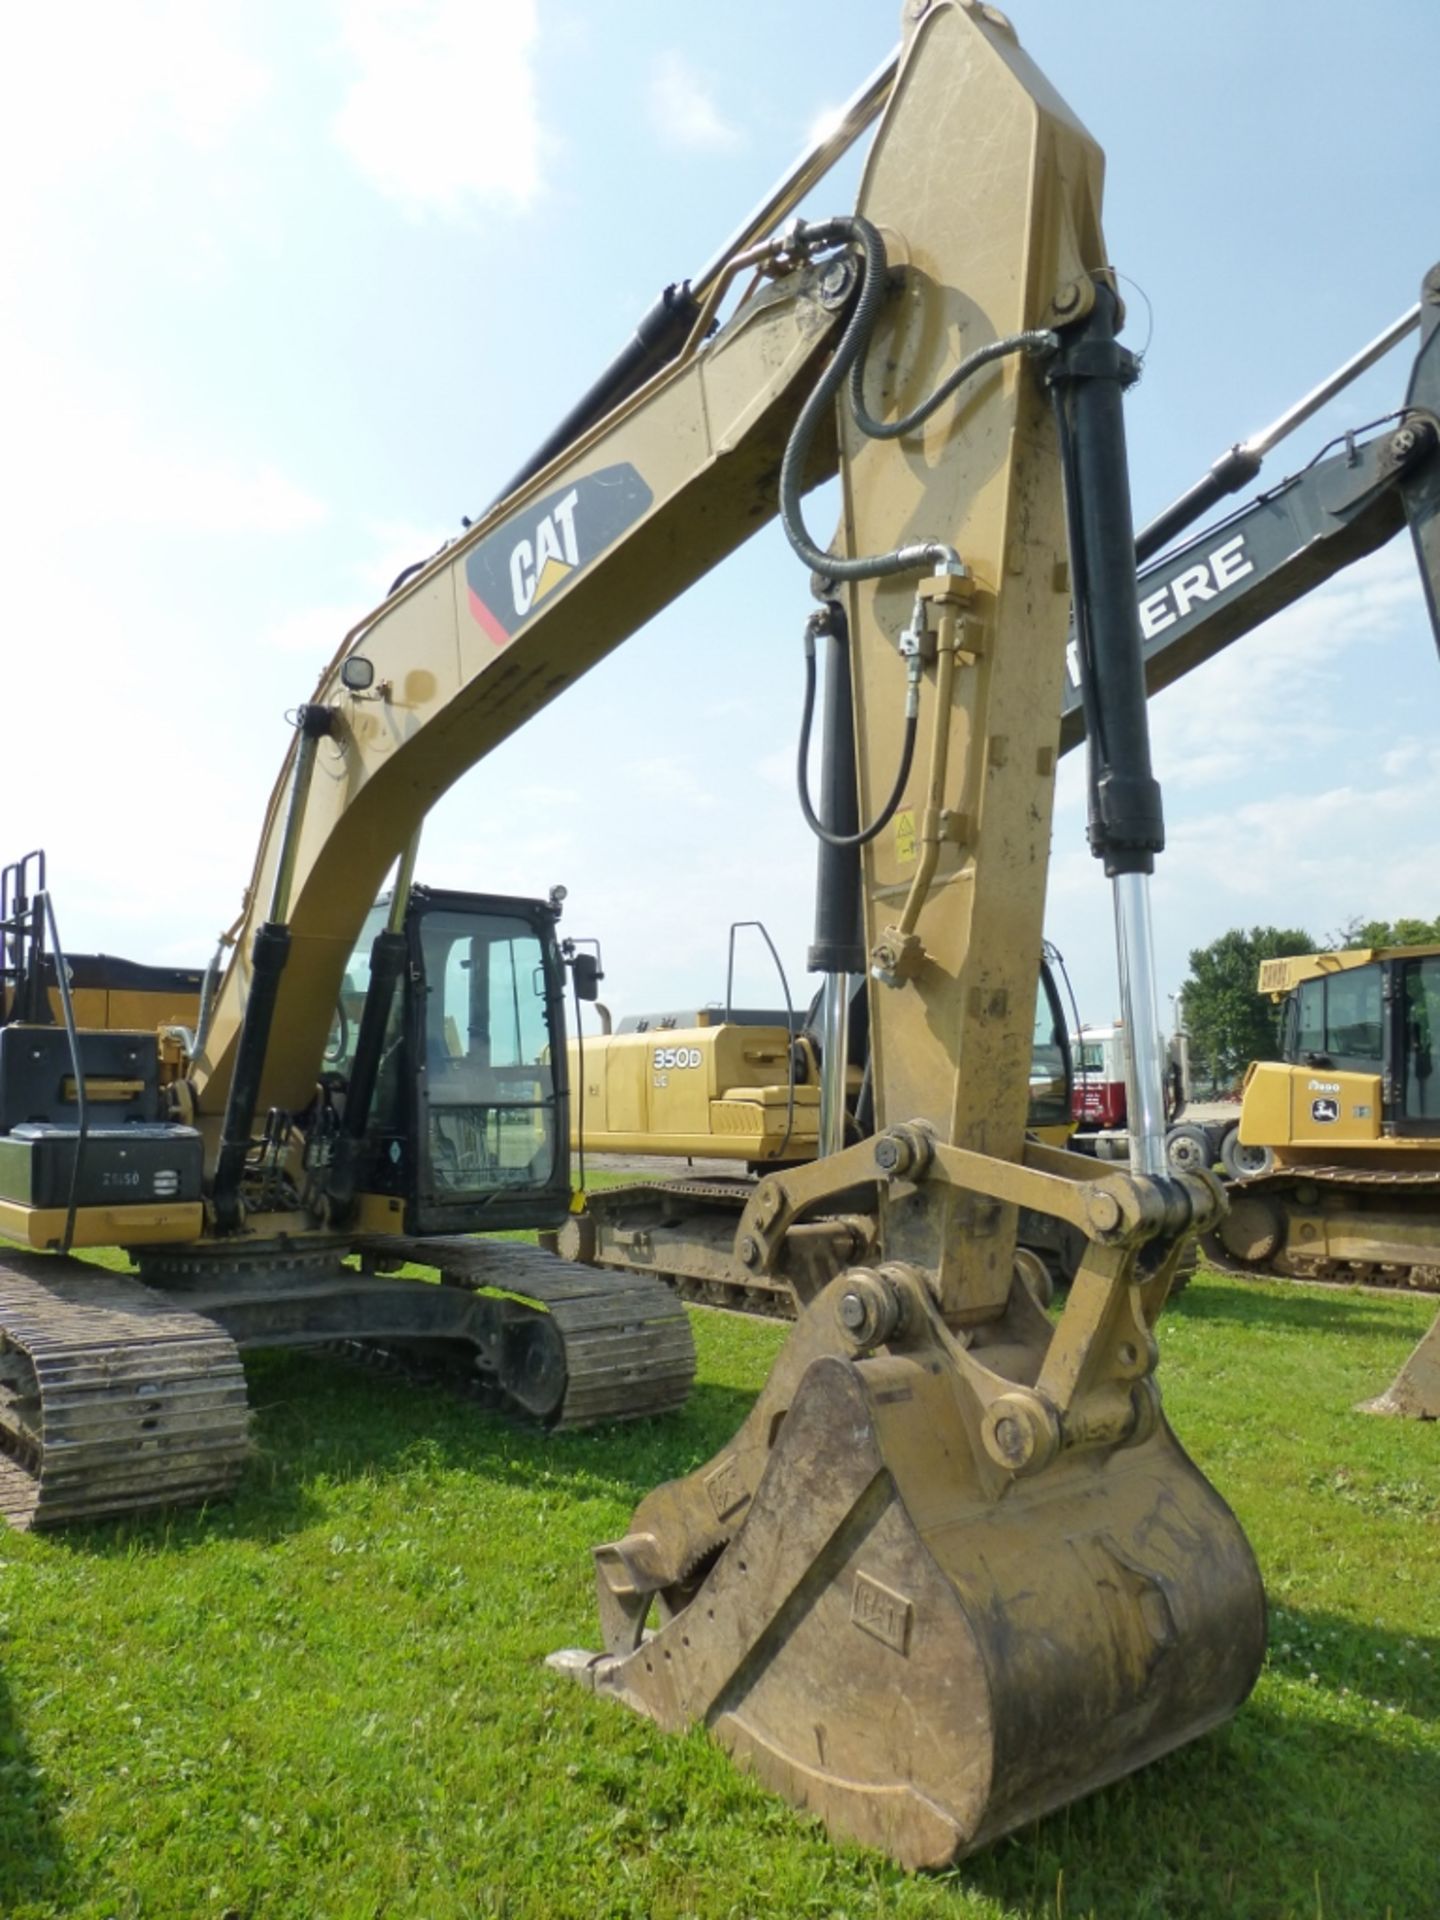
point(922, 1663)
point(1414, 1393)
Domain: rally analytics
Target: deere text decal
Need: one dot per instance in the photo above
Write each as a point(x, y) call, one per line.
point(537, 549)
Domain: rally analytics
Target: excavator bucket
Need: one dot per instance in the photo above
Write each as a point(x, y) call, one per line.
point(1414, 1393)
point(920, 1657)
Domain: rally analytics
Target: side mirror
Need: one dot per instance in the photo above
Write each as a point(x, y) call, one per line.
point(357, 674)
point(585, 971)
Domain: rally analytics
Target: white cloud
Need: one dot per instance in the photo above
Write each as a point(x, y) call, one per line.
point(682, 111)
point(312, 632)
point(315, 632)
point(78, 86)
point(441, 115)
point(398, 546)
point(1404, 755)
point(662, 780)
point(1274, 693)
point(135, 473)
point(1366, 847)
point(178, 490)
point(777, 769)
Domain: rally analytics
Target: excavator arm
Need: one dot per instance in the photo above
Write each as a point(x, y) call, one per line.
point(953, 1569)
point(491, 631)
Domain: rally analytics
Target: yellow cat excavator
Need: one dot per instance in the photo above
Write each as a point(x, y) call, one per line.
point(954, 1569)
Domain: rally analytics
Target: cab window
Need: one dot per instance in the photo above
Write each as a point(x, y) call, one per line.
point(493, 1116)
point(1422, 1025)
point(1049, 1074)
point(1354, 1027)
point(1339, 1020)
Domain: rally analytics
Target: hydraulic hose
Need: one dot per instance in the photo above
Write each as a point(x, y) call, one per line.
point(802, 763)
point(849, 361)
point(855, 230)
point(1036, 340)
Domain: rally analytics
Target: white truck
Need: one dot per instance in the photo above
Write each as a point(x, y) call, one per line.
point(1200, 1134)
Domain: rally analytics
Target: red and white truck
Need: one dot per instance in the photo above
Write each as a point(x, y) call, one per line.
point(1201, 1134)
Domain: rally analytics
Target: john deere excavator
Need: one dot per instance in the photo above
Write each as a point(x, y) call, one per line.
point(746, 1087)
point(1345, 1130)
point(954, 1569)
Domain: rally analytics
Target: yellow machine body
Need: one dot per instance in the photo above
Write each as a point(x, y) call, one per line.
point(1278, 1109)
point(1350, 1131)
point(723, 1090)
point(109, 1007)
point(1305, 1110)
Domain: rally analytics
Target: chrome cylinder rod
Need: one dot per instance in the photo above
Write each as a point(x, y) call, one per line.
point(853, 118)
point(835, 1058)
point(1144, 1055)
point(1236, 468)
point(1358, 363)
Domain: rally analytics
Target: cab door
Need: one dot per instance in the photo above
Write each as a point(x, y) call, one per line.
point(1416, 1016)
point(487, 1142)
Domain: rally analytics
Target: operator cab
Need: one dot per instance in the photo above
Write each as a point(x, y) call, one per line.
point(1379, 1019)
point(1357, 1037)
point(468, 1120)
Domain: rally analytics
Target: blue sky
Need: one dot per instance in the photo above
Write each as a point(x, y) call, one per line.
point(295, 286)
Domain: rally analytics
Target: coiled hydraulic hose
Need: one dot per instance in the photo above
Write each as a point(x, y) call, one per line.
point(1035, 341)
point(855, 230)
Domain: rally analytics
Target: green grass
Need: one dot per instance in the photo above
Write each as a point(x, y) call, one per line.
point(328, 1698)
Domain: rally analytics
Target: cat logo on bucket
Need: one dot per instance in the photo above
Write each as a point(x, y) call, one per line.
point(542, 546)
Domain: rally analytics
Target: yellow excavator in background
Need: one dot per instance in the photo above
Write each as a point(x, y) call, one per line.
point(745, 1087)
point(741, 1084)
point(954, 1570)
point(1344, 1131)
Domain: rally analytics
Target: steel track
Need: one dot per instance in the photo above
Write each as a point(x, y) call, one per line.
point(112, 1399)
point(1373, 1275)
point(628, 1351)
